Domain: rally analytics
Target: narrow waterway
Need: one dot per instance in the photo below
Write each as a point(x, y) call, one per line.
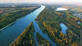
point(45, 36)
point(63, 27)
point(10, 33)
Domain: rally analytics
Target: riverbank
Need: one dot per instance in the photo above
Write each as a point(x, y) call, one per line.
point(7, 26)
point(18, 19)
point(26, 38)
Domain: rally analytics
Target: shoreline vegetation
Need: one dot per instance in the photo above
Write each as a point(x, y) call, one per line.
point(42, 41)
point(9, 24)
point(26, 38)
point(18, 19)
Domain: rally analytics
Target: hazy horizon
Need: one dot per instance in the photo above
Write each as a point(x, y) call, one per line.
point(42, 1)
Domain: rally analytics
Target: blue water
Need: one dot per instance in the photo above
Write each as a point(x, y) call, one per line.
point(79, 22)
point(64, 28)
point(10, 33)
point(45, 36)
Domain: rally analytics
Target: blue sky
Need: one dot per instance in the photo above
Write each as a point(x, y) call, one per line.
point(41, 1)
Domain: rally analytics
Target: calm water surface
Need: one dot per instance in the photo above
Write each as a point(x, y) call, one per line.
point(45, 36)
point(64, 28)
point(10, 33)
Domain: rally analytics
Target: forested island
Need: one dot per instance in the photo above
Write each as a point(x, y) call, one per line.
point(50, 24)
point(27, 38)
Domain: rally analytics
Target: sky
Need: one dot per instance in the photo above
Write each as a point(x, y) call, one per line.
point(40, 1)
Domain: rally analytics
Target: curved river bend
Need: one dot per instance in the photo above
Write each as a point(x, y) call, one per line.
point(10, 33)
point(45, 36)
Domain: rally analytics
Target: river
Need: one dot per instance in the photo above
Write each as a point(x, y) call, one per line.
point(10, 33)
point(45, 36)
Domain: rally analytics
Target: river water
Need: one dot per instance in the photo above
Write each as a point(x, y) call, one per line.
point(45, 36)
point(10, 33)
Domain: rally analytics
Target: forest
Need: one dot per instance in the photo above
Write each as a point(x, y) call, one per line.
point(42, 41)
point(50, 24)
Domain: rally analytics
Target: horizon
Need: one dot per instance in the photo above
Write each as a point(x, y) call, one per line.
point(43, 1)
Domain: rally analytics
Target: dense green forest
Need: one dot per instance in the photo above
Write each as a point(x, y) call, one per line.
point(42, 41)
point(49, 22)
point(9, 17)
